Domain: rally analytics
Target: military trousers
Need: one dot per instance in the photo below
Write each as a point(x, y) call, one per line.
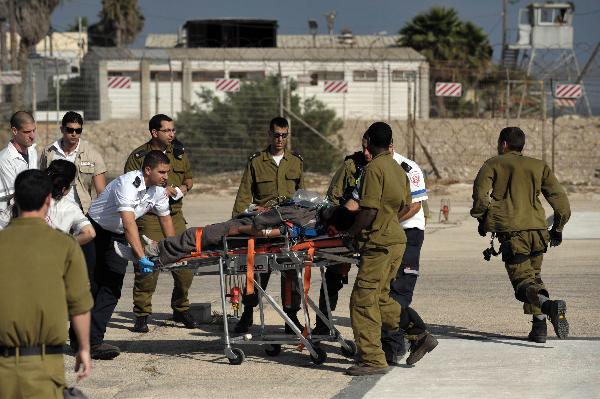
point(371, 306)
point(145, 283)
point(32, 377)
point(522, 254)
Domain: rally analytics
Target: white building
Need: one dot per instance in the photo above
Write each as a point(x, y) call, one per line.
point(167, 80)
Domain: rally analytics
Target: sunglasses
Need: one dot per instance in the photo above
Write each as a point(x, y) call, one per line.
point(73, 130)
point(280, 135)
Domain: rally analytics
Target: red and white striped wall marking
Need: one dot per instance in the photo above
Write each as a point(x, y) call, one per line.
point(227, 85)
point(565, 102)
point(335, 86)
point(568, 91)
point(119, 82)
point(448, 89)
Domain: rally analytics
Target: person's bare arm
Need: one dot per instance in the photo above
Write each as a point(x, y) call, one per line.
point(364, 219)
point(83, 361)
point(86, 234)
point(99, 182)
point(132, 234)
point(352, 205)
point(409, 211)
point(166, 225)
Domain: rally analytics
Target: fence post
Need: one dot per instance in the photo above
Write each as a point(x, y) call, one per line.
point(408, 117)
point(553, 122)
point(543, 102)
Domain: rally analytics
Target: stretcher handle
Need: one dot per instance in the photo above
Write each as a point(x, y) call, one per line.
point(250, 267)
point(198, 242)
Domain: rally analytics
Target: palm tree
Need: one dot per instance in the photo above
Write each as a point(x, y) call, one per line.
point(33, 23)
point(120, 23)
point(455, 50)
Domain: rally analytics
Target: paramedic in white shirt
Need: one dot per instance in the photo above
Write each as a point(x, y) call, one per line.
point(113, 216)
point(413, 223)
point(19, 155)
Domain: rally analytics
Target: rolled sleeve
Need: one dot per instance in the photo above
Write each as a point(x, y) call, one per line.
point(371, 189)
point(125, 197)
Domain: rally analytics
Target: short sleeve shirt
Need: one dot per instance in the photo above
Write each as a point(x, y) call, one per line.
point(11, 164)
point(66, 216)
point(128, 193)
point(418, 192)
point(384, 186)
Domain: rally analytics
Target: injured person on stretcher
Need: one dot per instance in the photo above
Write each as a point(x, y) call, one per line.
point(299, 218)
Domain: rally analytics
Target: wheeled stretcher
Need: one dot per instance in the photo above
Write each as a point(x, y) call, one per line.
point(248, 257)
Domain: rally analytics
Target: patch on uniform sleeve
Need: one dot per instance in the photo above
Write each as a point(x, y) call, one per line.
point(415, 179)
point(297, 154)
point(254, 155)
point(137, 182)
point(178, 149)
point(140, 154)
point(406, 167)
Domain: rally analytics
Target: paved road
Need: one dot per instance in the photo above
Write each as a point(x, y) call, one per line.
point(468, 303)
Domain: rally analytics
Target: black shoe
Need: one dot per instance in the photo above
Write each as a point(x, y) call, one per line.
point(294, 316)
point(104, 351)
point(421, 347)
point(394, 346)
point(320, 328)
point(556, 311)
point(186, 318)
point(246, 321)
point(141, 324)
point(538, 332)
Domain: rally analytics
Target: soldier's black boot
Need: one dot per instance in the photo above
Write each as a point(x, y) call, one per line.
point(557, 313)
point(293, 314)
point(246, 321)
point(393, 345)
point(539, 331)
point(104, 351)
point(186, 318)
point(141, 324)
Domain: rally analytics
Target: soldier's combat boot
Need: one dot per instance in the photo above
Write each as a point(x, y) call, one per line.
point(424, 344)
point(246, 321)
point(538, 332)
point(557, 313)
point(186, 318)
point(141, 324)
point(293, 314)
point(365, 369)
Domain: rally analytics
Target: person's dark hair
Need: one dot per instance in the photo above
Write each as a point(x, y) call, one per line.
point(156, 121)
point(338, 216)
point(19, 118)
point(279, 122)
point(62, 173)
point(514, 137)
point(72, 117)
point(155, 158)
point(32, 187)
point(380, 135)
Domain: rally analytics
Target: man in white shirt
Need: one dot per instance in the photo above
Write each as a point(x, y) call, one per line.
point(412, 220)
point(113, 216)
point(19, 155)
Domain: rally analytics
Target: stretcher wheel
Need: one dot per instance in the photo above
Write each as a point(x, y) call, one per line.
point(351, 350)
point(273, 349)
point(321, 355)
point(239, 356)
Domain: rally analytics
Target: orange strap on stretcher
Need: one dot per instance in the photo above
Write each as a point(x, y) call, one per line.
point(198, 242)
point(250, 267)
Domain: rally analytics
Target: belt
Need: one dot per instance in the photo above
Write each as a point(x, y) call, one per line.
point(31, 350)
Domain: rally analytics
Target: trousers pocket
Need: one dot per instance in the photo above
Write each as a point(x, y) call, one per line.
point(364, 293)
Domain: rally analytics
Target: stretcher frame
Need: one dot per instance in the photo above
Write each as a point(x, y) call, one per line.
point(290, 255)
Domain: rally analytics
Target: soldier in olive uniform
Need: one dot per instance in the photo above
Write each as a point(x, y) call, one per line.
point(514, 213)
point(270, 175)
point(340, 190)
point(179, 183)
point(43, 282)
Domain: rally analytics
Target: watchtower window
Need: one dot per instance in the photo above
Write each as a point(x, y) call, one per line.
point(553, 16)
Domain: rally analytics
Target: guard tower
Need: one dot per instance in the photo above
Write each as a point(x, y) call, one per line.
point(545, 43)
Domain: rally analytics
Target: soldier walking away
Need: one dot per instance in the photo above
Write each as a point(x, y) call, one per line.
point(37, 300)
point(506, 203)
point(271, 174)
point(179, 183)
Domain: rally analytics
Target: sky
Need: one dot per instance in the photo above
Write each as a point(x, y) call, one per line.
point(361, 16)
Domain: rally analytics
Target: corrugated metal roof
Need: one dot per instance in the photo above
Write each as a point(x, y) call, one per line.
point(155, 40)
point(259, 54)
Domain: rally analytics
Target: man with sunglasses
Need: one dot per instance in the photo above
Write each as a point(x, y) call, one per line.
point(91, 169)
point(270, 175)
point(179, 183)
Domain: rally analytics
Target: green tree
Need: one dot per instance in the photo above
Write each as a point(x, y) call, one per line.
point(222, 133)
point(456, 50)
point(120, 23)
